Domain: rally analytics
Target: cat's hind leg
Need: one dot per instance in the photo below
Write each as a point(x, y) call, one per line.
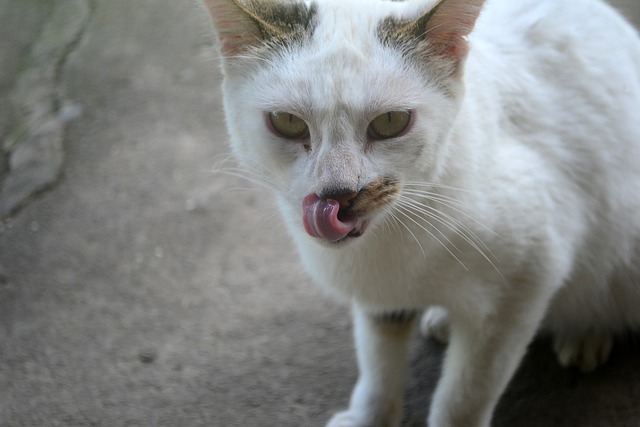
point(584, 351)
point(586, 316)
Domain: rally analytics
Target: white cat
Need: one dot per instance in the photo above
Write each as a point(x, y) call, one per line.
point(482, 158)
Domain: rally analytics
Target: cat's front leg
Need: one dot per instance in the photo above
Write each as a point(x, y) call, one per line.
point(382, 345)
point(485, 348)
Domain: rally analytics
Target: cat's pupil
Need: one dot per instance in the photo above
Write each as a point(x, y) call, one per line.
point(389, 125)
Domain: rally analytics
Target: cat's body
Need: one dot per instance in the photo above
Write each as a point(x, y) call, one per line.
point(510, 198)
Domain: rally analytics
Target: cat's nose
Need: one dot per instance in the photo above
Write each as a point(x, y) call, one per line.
point(343, 197)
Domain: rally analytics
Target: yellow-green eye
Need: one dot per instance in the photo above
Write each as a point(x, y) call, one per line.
point(389, 125)
point(288, 125)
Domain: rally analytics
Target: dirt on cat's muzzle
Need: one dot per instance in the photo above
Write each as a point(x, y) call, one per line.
point(322, 219)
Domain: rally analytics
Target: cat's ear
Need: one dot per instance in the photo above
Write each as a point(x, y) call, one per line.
point(245, 24)
point(441, 30)
point(449, 23)
point(234, 25)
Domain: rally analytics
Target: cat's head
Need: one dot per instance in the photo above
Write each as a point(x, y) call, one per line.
point(338, 104)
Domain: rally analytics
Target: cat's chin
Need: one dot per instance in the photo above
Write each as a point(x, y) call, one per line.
point(343, 243)
point(357, 232)
point(352, 236)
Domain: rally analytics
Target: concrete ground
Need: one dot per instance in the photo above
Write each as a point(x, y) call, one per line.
point(138, 288)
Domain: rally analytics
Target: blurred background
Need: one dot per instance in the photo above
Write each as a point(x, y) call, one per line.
point(138, 288)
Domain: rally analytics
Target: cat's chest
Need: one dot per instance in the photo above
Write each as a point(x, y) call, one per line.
point(385, 273)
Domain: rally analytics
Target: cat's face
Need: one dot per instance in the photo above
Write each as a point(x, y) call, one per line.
point(340, 105)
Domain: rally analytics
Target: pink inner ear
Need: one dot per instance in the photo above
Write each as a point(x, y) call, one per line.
point(451, 23)
point(236, 31)
point(230, 44)
point(457, 47)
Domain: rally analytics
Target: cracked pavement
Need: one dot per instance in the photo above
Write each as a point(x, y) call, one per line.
point(143, 289)
point(32, 148)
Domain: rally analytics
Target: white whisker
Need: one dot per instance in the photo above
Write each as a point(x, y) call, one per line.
point(251, 172)
point(434, 195)
point(405, 212)
point(416, 210)
point(258, 180)
point(398, 220)
point(456, 206)
point(454, 225)
point(437, 185)
point(449, 202)
point(444, 219)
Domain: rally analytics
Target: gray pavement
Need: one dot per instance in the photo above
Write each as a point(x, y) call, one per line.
point(138, 288)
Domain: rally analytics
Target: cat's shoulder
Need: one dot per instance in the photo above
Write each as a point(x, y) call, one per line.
point(548, 18)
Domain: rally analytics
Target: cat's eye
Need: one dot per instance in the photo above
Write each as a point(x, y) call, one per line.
point(389, 125)
point(288, 125)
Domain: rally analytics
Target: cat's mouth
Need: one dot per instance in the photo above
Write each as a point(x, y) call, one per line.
point(324, 219)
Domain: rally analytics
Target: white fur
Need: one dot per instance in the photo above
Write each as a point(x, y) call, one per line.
point(540, 149)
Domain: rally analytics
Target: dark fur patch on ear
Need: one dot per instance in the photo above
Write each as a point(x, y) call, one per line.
point(281, 22)
point(251, 25)
point(435, 41)
point(440, 31)
point(395, 32)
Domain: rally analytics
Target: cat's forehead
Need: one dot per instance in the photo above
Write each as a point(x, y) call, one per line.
point(351, 20)
point(344, 62)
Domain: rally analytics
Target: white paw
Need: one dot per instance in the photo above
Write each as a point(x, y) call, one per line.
point(356, 419)
point(585, 352)
point(343, 419)
point(435, 324)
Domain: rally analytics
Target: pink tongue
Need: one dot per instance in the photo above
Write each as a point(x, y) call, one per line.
point(320, 219)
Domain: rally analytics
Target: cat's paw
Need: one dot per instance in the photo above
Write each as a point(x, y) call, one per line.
point(343, 419)
point(356, 419)
point(586, 352)
point(435, 324)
